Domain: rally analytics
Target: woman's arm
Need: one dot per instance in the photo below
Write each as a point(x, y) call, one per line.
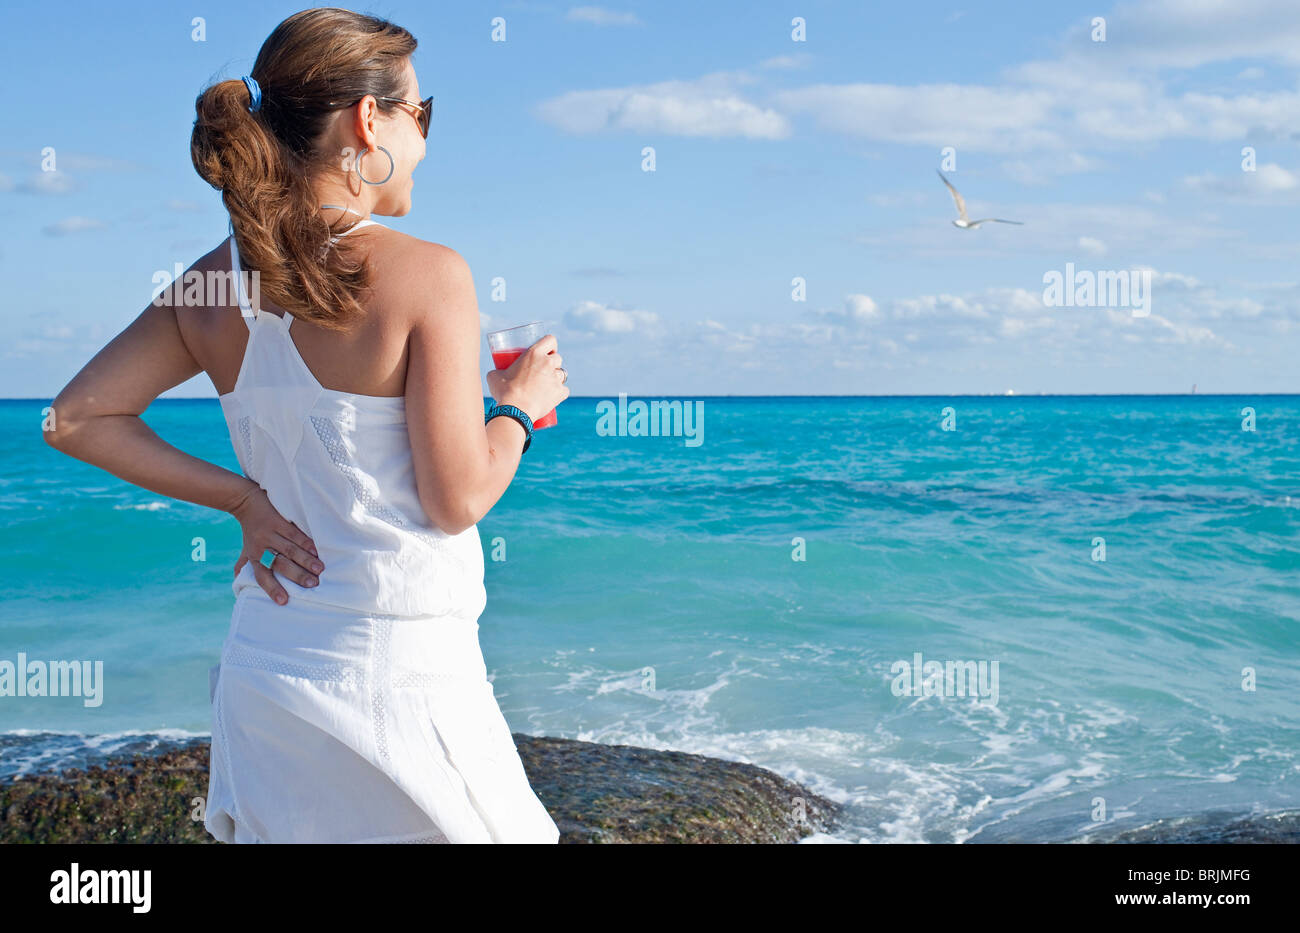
point(96, 418)
point(462, 467)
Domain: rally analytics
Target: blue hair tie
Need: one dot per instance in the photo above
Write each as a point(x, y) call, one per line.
point(254, 94)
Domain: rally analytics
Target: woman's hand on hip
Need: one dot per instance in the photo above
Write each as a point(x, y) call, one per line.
point(264, 527)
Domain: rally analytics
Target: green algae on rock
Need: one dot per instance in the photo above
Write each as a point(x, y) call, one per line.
point(595, 793)
point(622, 793)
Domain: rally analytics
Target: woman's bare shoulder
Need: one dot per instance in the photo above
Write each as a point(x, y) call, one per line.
point(420, 276)
point(399, 247)
point(204, 286)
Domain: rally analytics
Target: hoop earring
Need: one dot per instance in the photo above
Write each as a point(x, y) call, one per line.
point(356, 166)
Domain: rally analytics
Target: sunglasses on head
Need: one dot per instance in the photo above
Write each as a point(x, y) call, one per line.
point(423, 113)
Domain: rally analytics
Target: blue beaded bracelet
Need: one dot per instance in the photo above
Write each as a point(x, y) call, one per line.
point(518, 414)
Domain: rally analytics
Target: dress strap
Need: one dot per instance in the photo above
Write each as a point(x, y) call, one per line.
point(366, 222)
point(246, 310)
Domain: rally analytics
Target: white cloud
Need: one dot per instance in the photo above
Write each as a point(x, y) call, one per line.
point(48, 183)
point(710, 106)
point(987, 118)
point(52, 336)
point(1044, 169)
point(1183, 34)
point(1172, 278)
point(600, 16)
point(998, 321)
point(1043, 106)
point(1129, 229)
point(1268, 183)
point(861, 307)
point(73, 225)
point(1092, 246)
point(1216, 117)
point(784, 62)
point(948, 307)
point(82, 162)
point(977, 340)
point(1109, 94)
point(594, 317)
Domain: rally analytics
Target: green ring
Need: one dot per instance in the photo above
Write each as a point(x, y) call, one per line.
point(268, 558)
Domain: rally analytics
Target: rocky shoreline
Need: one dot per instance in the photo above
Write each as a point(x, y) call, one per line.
point(595, 793)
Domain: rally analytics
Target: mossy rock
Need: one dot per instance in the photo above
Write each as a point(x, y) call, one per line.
point(595, 793)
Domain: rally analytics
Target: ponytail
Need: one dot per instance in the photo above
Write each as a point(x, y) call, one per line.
point(264, 162)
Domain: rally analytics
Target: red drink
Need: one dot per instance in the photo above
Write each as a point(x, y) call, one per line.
point(502, 359)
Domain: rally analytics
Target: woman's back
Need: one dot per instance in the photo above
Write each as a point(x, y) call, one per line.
point(369, 358)
point(334, 454)
point(359, 708)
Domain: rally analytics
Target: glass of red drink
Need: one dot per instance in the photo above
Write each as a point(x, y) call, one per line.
point(508, 345)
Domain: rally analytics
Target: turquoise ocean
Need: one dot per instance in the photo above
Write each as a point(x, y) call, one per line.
point(650, 594)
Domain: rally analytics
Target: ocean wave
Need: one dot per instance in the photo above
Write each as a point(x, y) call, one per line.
point(30, 751)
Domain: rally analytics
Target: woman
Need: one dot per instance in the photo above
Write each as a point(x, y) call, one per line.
point(352, 702)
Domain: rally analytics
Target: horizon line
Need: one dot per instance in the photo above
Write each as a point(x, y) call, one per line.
point(213, 398)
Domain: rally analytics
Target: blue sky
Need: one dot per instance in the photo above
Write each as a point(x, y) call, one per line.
point(775, 159)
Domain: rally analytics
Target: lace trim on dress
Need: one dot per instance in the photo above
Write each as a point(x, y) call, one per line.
point(338, 452)
point(332, 673)
point(246, 433)
point(379, 672)
point(425, 679)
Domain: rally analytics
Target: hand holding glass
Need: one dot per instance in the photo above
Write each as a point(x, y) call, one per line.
point(508, 345)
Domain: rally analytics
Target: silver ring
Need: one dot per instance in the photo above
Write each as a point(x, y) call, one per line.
point(565, 380)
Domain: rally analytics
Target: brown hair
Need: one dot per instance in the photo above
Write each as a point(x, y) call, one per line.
point(263, 163)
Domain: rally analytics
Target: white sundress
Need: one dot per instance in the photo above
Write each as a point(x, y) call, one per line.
point(360, 711)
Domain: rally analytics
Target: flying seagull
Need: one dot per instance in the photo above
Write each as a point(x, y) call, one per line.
point(964, 221)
